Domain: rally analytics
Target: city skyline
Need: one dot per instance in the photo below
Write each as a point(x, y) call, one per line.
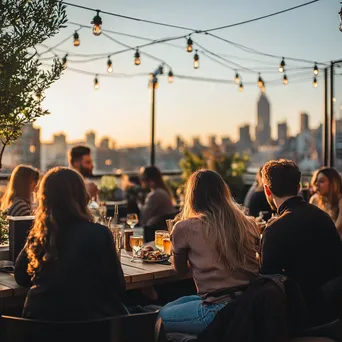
point(121, 106)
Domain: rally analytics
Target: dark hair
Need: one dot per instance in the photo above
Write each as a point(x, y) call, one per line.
point(62, 198)
point(19, 185)
point(282, 177)
point(77, 153)
point(152, 173)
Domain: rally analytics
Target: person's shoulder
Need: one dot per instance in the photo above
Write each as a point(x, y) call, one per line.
point(188, 224)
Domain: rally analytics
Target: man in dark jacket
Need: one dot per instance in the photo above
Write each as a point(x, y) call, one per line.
point(302, 243)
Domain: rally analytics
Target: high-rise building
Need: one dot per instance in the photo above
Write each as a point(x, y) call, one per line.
point(282, 132)
point(212, 140)
point(90, 139)
point(304, 122)
point(263, 128)
point(179, 142)
point(245, 135)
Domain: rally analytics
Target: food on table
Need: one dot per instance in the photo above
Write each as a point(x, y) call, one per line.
point(151, 255)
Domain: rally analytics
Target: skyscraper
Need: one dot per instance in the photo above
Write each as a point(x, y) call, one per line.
point(304, 122)
point(263, 128)
point(282, 132)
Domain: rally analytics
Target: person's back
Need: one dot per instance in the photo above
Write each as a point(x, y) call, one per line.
point(84, 282)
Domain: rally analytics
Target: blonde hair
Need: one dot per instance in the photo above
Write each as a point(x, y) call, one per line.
point(19, 185)
point(229, 233)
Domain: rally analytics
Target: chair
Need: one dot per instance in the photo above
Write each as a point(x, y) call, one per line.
point(142, 327)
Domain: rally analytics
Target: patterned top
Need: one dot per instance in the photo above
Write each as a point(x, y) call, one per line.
point(19, 207)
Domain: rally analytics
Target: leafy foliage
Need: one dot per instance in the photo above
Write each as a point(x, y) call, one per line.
point(3, 228)
point(23, 25)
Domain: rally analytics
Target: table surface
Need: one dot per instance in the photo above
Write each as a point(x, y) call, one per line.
point(137, 275)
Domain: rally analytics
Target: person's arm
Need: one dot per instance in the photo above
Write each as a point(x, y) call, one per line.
point(338, 222)
point(180, 249)
point(20, 270)
point(92, 189)
point(273, 251)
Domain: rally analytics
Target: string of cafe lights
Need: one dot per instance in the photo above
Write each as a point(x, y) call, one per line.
point(97, 30)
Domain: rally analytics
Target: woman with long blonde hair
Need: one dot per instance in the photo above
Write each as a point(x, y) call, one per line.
point(218, 243)
point(327, 184)
point(17, 197)
point(70, 262)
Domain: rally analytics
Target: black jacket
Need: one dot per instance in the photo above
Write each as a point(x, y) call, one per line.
point(304, 245)
point(84, 282)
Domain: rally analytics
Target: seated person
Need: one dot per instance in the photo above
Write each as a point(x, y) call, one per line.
point(17, 197)
point(218, 242)
point(159, 201)
point(302, 243)
point(69, 262)
point(327, 184)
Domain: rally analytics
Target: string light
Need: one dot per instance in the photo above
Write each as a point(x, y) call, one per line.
point(237, 78)
point(109, 66)
point(37, 96)
point(96, 83)
point(241, 87)
point(170, 76)
point(65, 61)
point(315, 83)
point(285, 80)
point(263, 87)
point(161, 70)
point(137, 60)
point(260, 81)
point(97, 22)
point(340, 13)
point(76, 39)
point(315, 71)
point(282, 65)
point(196, 60)
point(189, 47)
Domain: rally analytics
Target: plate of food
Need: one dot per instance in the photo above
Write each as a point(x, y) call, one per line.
point(149, 255)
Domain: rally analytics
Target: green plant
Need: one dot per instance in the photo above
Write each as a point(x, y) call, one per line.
point(25, 24)
point(108, 187)
point(3, 227)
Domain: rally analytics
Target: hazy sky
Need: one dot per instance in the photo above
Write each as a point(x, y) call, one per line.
point(121, 107)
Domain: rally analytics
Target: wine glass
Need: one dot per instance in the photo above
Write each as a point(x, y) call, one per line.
point(132, 220)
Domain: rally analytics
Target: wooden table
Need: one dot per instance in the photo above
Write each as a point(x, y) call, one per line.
point(137, 275)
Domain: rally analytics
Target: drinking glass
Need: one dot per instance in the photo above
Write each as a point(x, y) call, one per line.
point(132, 220)
point(136, 242)
point(158, 239)
point(103, 209)
point(167, 243)
point(116, 230)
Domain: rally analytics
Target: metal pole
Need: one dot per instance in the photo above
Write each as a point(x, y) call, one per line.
point(153, 153)
point(332, 119)
point(326, 122)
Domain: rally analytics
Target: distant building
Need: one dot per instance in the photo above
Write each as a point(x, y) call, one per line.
point(304, 122)
point(227, 146)
point(179, 143)
point(245, 142)
point(263, 128)
point(212, 141)
point(282, 132)
point(90, 139)
point(55, 153)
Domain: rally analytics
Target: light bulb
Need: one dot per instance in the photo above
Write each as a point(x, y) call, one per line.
point(263, 88)
point(97, 22)
point(315, 83)
point(315, 71)
point(189, 47)
point(196, 60)
point(65, 61)
point(96, 83)
point(340, 13)
point(109, 66)
point(282, 65)
point(76, 39)
point(170, 76)
point(285, 80)
point(241, 87)
point(260, 81)
point(237, 78)
point(137, 60)
point(37, 96)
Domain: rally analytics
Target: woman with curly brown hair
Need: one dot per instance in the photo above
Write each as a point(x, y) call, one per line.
point(69, 261)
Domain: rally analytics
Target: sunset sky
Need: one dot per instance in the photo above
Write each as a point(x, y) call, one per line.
point(120, 109)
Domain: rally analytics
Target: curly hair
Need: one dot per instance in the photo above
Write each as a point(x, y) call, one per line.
point(62, 198)
point(282, 177)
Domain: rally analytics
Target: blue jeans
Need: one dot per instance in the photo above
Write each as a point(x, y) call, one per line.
point(188, 315)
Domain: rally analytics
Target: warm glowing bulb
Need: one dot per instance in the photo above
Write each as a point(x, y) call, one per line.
point(189, 47)
point(37, 97)
point(137, 60)
point(76, 39)
point(260, 82)
point(170, 76)
point(263, 89)
point(282, 65)
point(97, 22)
point(237, 78)
point(32, 149)
point(196, 60)
point(285, 80)
point(315, 83)
point(241, 87)
point(315, 70)
point(109, 66)
point(96, 83)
